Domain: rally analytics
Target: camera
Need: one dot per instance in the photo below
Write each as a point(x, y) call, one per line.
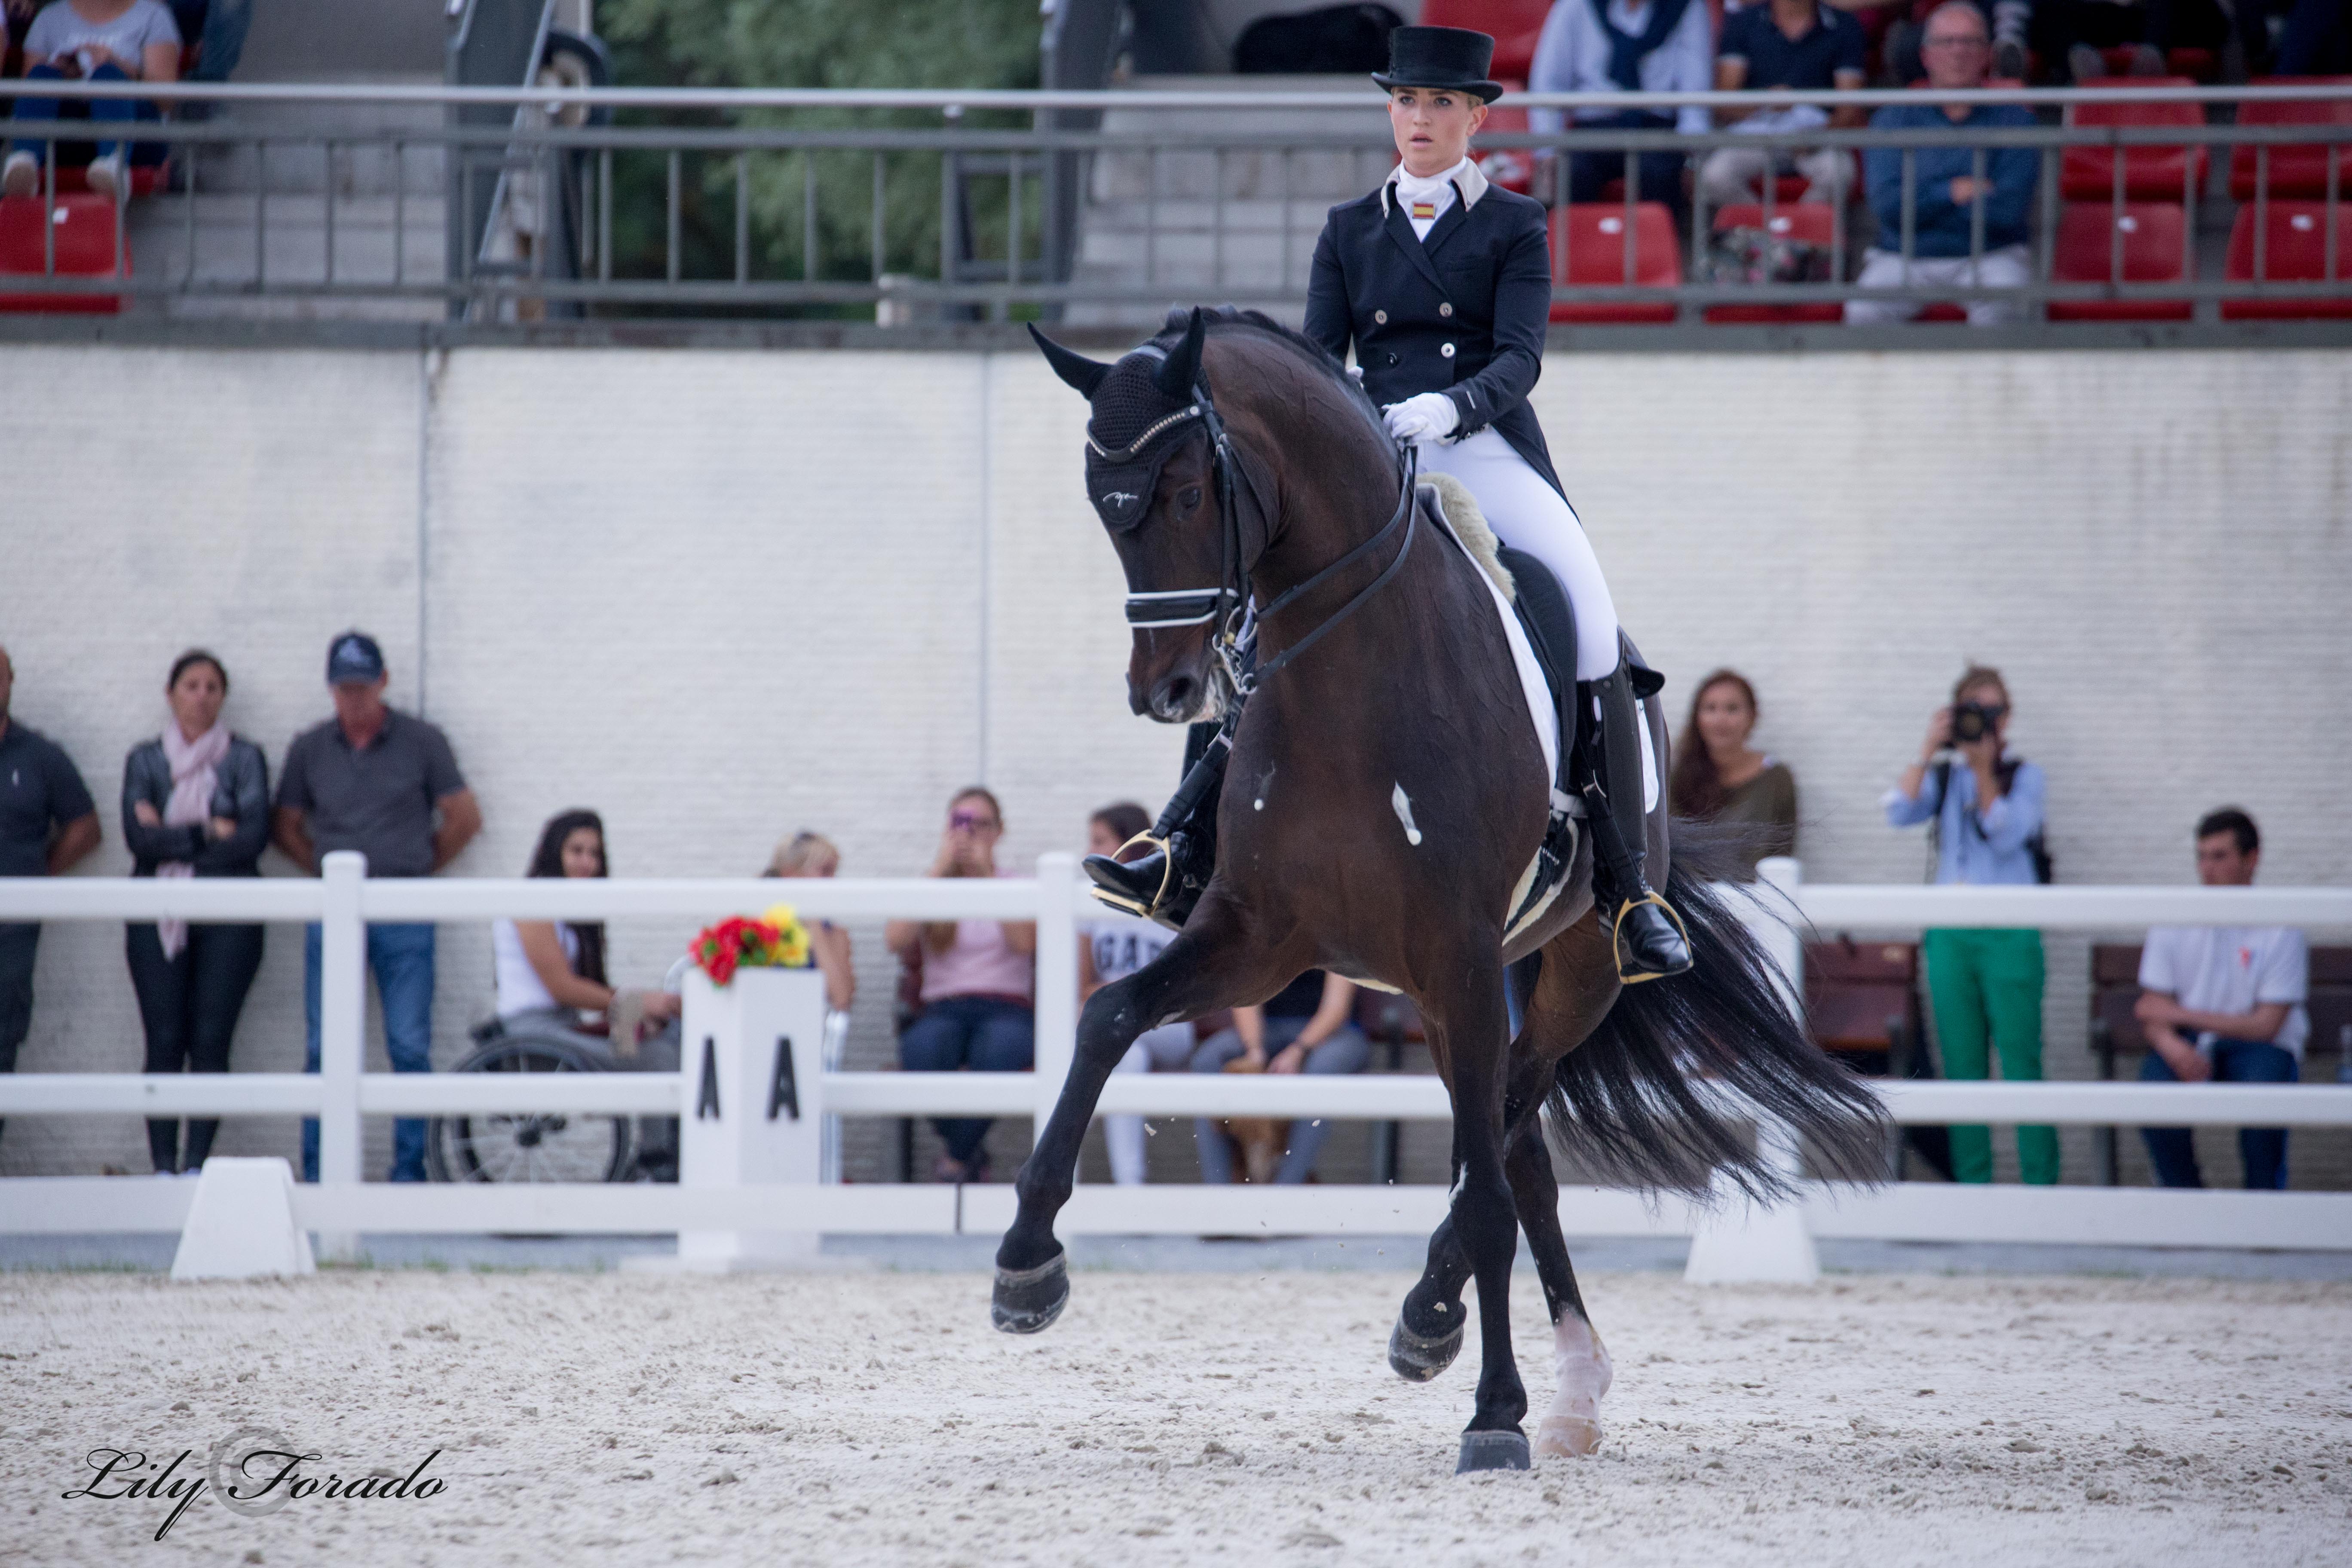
point(1974, 721)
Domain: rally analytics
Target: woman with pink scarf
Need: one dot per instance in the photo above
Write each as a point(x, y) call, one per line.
point(195, 803)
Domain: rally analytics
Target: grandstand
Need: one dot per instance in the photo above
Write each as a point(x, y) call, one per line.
point(1161, 171)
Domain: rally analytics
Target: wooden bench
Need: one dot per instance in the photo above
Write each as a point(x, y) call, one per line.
point(2116, 1032)
point(1862, 1005)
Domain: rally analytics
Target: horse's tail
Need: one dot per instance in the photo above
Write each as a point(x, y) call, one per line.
point(1661, 1096)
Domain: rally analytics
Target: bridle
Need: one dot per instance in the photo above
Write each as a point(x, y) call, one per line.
point(1228, 603)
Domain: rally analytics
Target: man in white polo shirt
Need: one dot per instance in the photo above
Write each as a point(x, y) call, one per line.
point(2223, 1003)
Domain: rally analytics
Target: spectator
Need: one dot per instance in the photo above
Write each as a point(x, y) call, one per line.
point(2080, 32)
point(1947, 196)
point(2317, 40)
point(218, 27)
point(979, 981)
point(2224, 1003)
point(1718, 777)
point(807, 853)
point(2009, 23)
point(555, 969)
point(375, 780)
point(1115, 947)
point(1784, 44)
point(1984, 805)
point(195, 803)
point(96, 40)
point(1303, 1028)
point(1624, 45)
point(47, 822)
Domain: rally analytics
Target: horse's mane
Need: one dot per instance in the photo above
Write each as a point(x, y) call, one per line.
point(1226, 321)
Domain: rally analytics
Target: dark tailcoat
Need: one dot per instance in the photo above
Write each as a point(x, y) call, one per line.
point(1463, 312)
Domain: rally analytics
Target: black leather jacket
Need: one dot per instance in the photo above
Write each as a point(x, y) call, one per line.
point(241, 792)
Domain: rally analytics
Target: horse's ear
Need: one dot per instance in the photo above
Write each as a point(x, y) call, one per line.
point(1183, 367)
point(1075, 368)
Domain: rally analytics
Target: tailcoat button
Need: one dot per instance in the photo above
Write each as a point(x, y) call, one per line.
point(1445, 310)
point(1393, 359)
point(1381, 318)
point(1447, 351)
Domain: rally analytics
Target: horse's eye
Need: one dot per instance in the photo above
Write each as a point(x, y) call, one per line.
point(1188, 497)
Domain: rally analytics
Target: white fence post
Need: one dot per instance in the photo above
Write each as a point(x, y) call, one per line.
point(1058, 978)
point(1742, 1241)
point(752, 1111)
point(342, 1033)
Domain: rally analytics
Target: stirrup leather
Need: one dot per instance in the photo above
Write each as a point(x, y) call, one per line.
point(1617, 937)
point(1166, 874)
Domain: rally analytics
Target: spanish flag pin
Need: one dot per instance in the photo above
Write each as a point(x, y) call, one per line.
point(1424, 209)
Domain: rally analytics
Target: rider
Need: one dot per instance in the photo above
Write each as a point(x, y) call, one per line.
point(1443, 283)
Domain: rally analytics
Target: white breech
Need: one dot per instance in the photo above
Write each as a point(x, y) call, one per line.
point(1527, 514)
point(1164, 1049)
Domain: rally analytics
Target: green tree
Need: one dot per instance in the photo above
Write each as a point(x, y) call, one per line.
point(809, 43)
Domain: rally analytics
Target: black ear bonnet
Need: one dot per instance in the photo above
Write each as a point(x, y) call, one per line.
point(1135, 429)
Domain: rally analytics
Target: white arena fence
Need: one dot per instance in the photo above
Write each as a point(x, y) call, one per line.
point(341, 1205)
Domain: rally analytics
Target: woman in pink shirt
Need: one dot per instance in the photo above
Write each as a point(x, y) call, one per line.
point(979, 980)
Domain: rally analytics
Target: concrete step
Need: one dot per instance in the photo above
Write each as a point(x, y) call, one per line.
point(220, 246)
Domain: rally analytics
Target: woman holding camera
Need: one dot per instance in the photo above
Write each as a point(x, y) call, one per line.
point(1984, 805)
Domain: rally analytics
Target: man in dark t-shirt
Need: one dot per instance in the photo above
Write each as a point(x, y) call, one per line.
point(1303, 1027)
point(47, 822)
point(1784, 44)
point(387, 784)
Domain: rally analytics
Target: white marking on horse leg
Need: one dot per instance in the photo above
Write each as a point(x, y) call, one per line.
point(1403, 805)
point(1571, 1427)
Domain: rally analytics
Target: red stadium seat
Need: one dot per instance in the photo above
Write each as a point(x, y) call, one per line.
point(1588, 250)
point(2294, 249)
point(1513, 168)
point(2297, 170)
point(84, 228)
point(2150, 173)
point(2154, 237)
point(1515, 25)
point(2198, 65)
point(1813, 221)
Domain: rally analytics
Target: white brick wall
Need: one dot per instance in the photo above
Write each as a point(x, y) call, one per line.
point(720, 595)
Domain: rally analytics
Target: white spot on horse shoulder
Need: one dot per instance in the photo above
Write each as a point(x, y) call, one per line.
point(1403, 805)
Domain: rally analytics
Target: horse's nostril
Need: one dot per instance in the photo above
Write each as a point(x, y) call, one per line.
point(1176, 695)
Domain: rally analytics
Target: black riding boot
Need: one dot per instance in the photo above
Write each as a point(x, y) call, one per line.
point(1646, 934)
point(1165, 884)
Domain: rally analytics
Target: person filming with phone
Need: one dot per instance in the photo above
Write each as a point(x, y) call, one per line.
point(1983, 806)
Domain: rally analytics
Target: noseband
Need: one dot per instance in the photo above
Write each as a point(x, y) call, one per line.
point(1228, 602)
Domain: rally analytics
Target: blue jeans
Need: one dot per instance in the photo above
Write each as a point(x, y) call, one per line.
point(1345, 1051)
point(102, 111)
point(1662, 173)
point(985, 1034)
point(2263, 1149)
point(220, 26)
point(401, 959)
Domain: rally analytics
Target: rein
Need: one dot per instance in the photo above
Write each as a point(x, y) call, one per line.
point(1230, 598)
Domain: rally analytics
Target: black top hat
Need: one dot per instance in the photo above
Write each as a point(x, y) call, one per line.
point(1440, 57)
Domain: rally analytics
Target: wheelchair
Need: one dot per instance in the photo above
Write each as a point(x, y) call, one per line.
point(531, 1147)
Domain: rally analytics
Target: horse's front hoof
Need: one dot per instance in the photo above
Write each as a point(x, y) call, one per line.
point(1493, 1451)
point(1027, 1300)
point(1416, 1358)
point(1569, 1437)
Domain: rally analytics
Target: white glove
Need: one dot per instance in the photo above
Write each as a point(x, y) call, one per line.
point(1429, 417)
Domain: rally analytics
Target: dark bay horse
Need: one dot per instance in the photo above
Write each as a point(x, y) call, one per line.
point(1386, 792)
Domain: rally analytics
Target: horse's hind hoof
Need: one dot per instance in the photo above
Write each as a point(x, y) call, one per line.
point(1417, 1357)
point(1493, 1451)
point(1027, 1300)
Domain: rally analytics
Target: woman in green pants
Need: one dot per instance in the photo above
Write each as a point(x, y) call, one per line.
point(1985, 985)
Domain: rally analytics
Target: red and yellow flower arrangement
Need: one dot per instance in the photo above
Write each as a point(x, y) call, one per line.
point(776, 940)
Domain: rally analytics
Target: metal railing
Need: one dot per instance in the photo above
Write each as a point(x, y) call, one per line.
point(343, 900)
point(931, 204)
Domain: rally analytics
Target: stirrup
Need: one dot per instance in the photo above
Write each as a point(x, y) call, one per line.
point(1121, 901)
point(1617, 938)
